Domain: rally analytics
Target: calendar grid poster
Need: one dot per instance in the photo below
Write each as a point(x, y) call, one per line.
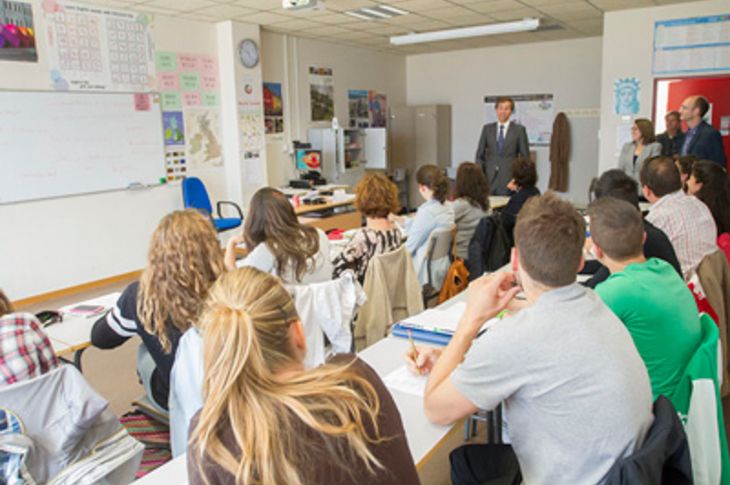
point(98, 49)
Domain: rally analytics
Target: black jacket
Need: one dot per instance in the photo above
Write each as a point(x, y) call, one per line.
point(489, 248)
point(663, 457)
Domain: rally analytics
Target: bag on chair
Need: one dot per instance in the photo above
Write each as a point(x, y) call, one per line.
point(457, 278)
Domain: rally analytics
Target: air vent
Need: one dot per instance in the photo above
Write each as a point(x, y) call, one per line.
point(378, 12)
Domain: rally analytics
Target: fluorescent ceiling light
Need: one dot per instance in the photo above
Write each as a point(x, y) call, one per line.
point(523, 25)
point(353, 13)
point(377, 12)
point(397, 11)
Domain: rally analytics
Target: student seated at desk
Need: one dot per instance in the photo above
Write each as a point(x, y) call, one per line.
point(649, 296)
point(471, 203)
point(376, 198)
point(574, 389)
point(279, 244)
point(25, 351)
point(709, 183)
point(524, 178)
point(265, 419)
point(617, 184)
point(433, 214)
point(686, 221)
point(184, 259)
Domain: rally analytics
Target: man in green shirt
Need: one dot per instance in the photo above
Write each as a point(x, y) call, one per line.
point(647, 295)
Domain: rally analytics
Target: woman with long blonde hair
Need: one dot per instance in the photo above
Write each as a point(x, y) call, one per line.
point(184, 260)
point(266, 420)
point(279, 244)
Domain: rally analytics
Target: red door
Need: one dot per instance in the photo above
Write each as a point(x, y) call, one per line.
point(715, 89)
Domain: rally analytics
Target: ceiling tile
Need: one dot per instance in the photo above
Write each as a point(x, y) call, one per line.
point(517, 14)
point(470, 20)
point(224, 12)
point(342, 5)
point(496, 6)
point(418, 6)
point(296, 24)
point(607, 5)
point(263, 18)
point(590, 27)
point(258, 4)
point(179, 5)
point(338, 19)
point(569, 11)
point(447, 12)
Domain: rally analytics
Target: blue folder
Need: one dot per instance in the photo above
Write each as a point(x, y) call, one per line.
point(421, 335)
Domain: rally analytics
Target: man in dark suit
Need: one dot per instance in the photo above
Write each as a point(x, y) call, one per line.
point(673, 138)
point(701, 140)
point(499, 144)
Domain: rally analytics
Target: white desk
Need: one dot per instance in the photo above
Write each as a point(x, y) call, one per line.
point(73, 334)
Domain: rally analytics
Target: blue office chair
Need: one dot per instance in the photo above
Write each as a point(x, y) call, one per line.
point(195, 196)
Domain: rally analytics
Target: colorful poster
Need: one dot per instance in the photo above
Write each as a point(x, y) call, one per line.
point(357, 101)
point(191, 78)
point(321, 93)
point(536, 112)
point(175, 162)
point(273, 108)
point(98, 48)
point(202, 144)
point(172, 123)
point(378, 109)
point(17, 36)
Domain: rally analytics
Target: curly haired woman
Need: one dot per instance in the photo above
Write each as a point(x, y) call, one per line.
point(184, 260)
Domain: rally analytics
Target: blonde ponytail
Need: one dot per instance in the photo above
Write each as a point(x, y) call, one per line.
point(246, 334)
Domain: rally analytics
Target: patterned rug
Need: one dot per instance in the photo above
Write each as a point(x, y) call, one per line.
point(154, 435)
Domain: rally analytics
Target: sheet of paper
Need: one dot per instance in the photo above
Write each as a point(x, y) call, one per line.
point(107, 301)
point(403, 380)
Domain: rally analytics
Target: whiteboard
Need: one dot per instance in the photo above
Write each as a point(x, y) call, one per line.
point(56, 144)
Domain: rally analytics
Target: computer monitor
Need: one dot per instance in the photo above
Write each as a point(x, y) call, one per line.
point(308, 159)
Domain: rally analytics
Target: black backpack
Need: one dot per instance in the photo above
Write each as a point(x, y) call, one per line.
point(489, 248)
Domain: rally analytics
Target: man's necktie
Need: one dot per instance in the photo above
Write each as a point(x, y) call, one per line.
point(500, 139)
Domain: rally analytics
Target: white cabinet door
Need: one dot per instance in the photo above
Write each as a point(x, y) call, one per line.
point(376, 148)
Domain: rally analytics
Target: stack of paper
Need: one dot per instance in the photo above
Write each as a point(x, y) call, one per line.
point(90, 308)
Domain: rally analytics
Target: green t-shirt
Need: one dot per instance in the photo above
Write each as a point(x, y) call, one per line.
point(661, 315)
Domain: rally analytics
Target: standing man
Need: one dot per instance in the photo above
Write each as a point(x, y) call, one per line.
point(499, 144)
point(673, 138)
point(701, 140)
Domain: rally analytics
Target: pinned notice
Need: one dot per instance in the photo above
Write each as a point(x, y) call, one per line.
point(141, 102)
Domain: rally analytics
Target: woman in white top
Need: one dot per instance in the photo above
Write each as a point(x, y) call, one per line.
point(279, 244)
point(470, 205)
point(643, 145)
point(431, 215)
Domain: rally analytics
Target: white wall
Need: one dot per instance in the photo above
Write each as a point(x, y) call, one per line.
point(628, 40)
point(56, 243)
point(569, 69)
point(286, 59)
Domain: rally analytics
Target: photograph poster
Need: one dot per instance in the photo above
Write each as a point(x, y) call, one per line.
point(273, 109)
point(17, 36)
point(321, 93)
point(378, 109)
point(357, 100)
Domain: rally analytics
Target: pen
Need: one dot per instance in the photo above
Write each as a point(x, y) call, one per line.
point(414, 351)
